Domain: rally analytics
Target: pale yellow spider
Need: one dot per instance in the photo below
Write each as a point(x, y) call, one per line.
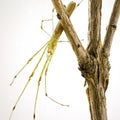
point(50, 47)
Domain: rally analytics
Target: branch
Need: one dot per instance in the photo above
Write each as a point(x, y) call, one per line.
point(111, 28)
point(94, 26)
point(69, 30)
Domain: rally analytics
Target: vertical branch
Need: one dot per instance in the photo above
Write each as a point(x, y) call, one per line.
point(94, 26)
point(111, 28)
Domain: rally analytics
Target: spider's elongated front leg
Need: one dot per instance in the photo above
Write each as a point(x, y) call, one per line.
point(33, 56)
point(32, 74)
point(46, 70)
point(39, 85)
point(52, 47)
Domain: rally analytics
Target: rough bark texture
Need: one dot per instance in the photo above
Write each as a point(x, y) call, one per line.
point(93, 62)
point(69, 30)
point(111, 28)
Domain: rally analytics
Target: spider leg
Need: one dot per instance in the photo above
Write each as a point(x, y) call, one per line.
point(79, 3)
point(46, 94)
point(53, 19)
point(49, 57)
point(27, 63)
point(46, 20)
point(32, 74)
point(45, 69)
point(43, 28)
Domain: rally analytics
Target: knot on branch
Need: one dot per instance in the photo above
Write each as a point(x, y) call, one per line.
point(58, 16)
point(88, 68)
point(113, 26)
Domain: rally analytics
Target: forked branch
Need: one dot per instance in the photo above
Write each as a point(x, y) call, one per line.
point(111, 28)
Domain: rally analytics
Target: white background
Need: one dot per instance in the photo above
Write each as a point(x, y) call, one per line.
point(21, 36)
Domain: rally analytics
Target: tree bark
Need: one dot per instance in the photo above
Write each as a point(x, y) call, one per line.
point(69, 30)
point(93, 62)
point(95, 90)
point(111, 28)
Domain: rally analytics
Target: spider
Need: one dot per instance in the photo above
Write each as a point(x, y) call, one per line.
point(50, 48)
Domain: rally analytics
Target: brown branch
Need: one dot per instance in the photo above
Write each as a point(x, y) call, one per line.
point(111, 28)
point(69, 30)
point(94, 26)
